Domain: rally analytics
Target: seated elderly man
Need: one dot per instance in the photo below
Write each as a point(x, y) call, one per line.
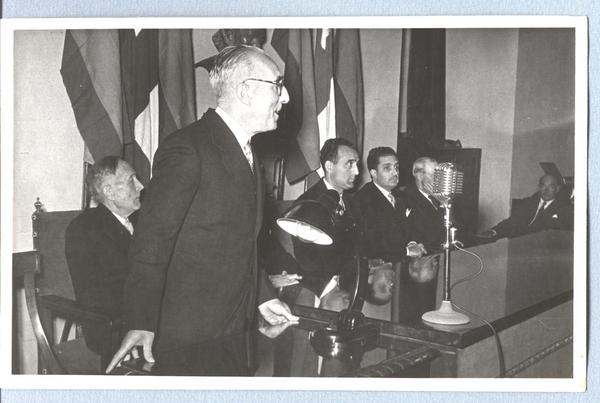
point(97, 241)
point(543, 210)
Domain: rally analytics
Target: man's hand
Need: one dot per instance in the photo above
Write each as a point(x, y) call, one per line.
point(414, 249)
point(424, 269)
point(284, 279)
point(132, 339)
point(276, 312)
point(490, 233)
point(273, 331)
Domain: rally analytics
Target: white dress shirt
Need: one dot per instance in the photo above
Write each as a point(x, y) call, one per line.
point(125, 221)
point(242, 137)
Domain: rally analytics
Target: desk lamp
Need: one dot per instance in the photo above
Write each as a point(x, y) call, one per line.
point(314, 221)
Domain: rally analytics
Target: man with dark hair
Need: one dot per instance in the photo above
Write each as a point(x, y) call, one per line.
point(385, 228)
point(97, 242)
point(326, 270)
point(542, 210)
point(194, 273)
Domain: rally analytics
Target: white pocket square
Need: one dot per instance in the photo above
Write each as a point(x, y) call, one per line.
point(407, 212)
point(555, 216)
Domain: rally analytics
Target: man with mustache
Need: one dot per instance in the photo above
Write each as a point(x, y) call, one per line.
point(194, 273)
point(387, 235)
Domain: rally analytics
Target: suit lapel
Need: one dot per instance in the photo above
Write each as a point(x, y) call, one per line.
point(423, 202)
point(258, 180)
point(111, 227)
point(379, 199)
point(236, 165)
point(232, 157)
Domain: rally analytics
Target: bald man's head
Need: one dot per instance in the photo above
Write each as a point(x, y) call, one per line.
point(548, 187)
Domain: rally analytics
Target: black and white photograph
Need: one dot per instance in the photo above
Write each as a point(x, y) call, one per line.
point(351, 203)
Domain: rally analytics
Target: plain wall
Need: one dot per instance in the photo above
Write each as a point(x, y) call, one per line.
point(481, 66)
point(48, 149)
point(544, 106)
point(510, 92)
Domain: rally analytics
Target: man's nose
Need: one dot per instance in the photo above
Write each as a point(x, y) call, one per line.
point(284, 98)
point(138, 185)
point(355, 169)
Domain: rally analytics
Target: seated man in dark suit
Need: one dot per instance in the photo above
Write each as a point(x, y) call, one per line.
point(425, 219)
point(423, 211)
point(386, 231)
point(327, 271)
point(385, 226)
point(543, 210)
point(97, 241)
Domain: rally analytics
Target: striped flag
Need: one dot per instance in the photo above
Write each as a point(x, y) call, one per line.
point(324, 85)
point(298, 120)
point(129, 90)
point(349, 97)
point(324, 80)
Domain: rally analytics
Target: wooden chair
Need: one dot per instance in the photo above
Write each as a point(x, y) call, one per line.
point(49, 296)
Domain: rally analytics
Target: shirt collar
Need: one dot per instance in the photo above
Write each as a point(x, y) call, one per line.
point(240, 134)
point(385, 192)
point(423, 193)
point(544, 203)
point(330, 187)
point(122, 220)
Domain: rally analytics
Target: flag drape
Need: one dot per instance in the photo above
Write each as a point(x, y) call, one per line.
point(299, 117)
point(323, 75)
point(129, 90)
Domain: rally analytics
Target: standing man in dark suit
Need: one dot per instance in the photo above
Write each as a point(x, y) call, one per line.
point(425, 218)
point(193, 259)
point(327, 271)
point(97, 242)
point(543, 210)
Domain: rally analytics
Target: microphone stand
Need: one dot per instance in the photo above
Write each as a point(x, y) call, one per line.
point(446, 315)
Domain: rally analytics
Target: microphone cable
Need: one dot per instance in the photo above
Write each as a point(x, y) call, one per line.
point(501, 362)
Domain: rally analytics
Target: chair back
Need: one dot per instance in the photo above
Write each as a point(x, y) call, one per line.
point(49, 241)
point(25, 270)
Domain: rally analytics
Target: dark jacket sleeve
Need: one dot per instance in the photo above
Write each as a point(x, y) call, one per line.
point(176, 175)
point(95, 285)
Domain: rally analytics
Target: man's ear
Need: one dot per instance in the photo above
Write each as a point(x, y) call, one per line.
point(243, 93)
point(373, 173)
point(328, 166)
point(108, 192)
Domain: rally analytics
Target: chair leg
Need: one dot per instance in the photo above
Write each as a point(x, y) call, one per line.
point(47, 321)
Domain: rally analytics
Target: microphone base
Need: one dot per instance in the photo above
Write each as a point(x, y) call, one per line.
point(445, 315)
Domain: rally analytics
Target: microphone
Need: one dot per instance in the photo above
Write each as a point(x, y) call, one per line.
point(447, 182)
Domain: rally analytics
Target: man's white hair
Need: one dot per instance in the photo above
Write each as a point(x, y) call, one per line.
point(420, 164)
point(232, 64)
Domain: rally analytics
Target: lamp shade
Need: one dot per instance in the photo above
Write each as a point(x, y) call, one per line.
point(312, 220)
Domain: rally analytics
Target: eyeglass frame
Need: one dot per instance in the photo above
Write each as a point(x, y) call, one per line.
point(278, 84)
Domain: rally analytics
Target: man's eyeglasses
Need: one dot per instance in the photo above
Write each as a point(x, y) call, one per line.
point(278, 84)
